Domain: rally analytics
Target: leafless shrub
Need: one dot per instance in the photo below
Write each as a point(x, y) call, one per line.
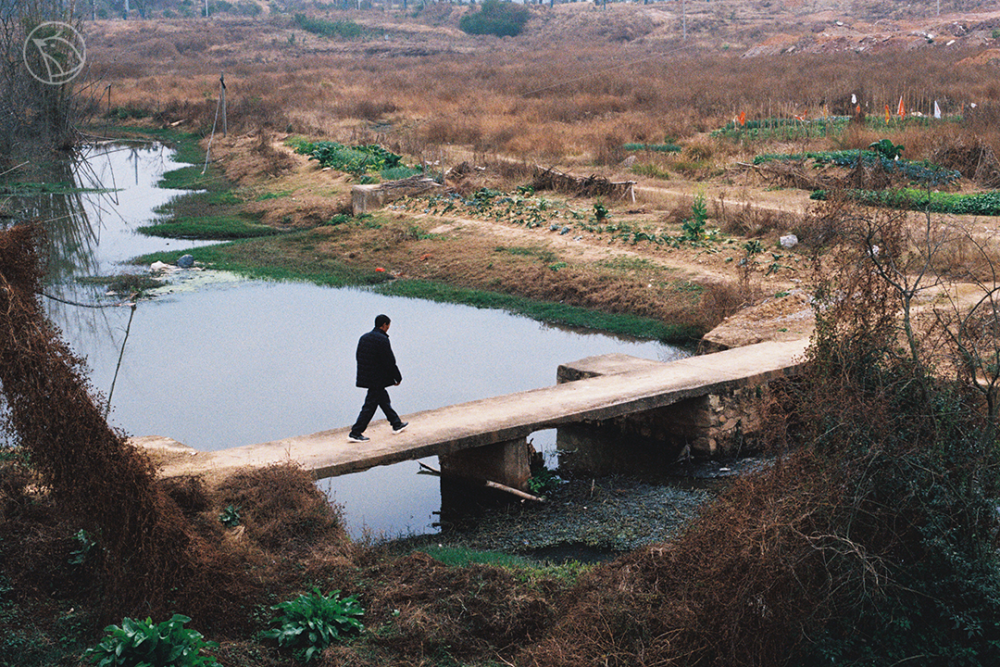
point(720, 300)
point(792, 175)
point(972, 156)
point(751, 220)
point(372, 110)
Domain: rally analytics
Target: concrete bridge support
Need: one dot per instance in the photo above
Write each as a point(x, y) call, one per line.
point(709, 424)
point(508, 463)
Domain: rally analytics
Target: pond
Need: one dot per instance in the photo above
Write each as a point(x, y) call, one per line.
point(215, 361)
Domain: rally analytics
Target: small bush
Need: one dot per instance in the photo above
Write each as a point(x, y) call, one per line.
point(982, 203)
point(398, 173)
point(503, 19)
point(655, 148)
point(230, 517)
point(342, 29)
point(143, 644)
point(694, 227)
point(313, 621)
point(357, 160)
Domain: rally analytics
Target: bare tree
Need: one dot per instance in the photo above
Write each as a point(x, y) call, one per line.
point(971, 320)
point(34, 113)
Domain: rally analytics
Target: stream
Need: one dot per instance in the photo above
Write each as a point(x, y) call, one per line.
point(216, 361)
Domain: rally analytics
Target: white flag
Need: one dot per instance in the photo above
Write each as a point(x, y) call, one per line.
point(937, 110)
point(854, 98)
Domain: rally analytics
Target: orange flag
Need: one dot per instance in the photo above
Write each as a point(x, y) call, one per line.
point(887, 114)
point(743, 118)
point(857, 110)
point(902, 110)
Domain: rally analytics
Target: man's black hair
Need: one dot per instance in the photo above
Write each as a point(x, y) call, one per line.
point(380, 320)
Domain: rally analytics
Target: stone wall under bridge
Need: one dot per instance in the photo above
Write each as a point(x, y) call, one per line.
point(721, 424)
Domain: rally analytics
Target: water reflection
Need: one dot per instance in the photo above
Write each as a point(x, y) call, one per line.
point(238, 362)
point(91, 228)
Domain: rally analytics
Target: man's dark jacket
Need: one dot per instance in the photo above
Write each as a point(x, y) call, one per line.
point(376, 362)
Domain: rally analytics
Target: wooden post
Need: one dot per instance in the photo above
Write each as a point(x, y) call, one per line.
point(222, 83)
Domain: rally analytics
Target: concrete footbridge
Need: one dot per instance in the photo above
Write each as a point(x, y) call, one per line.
point(700, 397)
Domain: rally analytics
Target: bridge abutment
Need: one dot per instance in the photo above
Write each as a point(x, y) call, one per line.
point(710, 424)
point(508, 463)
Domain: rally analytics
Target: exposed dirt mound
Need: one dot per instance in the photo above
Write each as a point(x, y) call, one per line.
point(434, 612)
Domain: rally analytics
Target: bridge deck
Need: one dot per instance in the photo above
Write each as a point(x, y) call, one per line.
point(502, 418)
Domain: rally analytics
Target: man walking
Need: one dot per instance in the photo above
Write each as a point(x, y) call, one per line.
point(376, 370)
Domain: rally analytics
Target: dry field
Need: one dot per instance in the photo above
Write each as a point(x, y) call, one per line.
point(569, 93)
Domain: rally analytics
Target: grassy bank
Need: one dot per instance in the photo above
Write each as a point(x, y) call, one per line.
point(556, 313)
point(369, 251)
point(266, 261)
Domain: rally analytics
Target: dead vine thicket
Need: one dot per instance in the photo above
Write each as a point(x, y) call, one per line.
point(152, 558)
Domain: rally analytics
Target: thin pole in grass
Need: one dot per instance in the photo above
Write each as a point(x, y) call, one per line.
point(107, 409)
point(222, 93)
point(220, 105)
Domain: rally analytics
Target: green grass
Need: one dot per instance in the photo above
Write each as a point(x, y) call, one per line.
point(544, 255)
point(35, 189)
point(330, 29)
point(557, 313)
point(528, 570)
point(463, 557)
point(980, 203)
point(630, 265)
point(209, 227)
point(267, 259)
point(273, 195)
point(791, 128)
point(191, 178)
point(650, 170)
point(655, 148)
point(124, 283)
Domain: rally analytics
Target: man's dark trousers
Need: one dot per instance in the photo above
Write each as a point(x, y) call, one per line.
point(377, 397)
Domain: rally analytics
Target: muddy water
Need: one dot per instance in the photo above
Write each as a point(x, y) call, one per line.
point(215, 361)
